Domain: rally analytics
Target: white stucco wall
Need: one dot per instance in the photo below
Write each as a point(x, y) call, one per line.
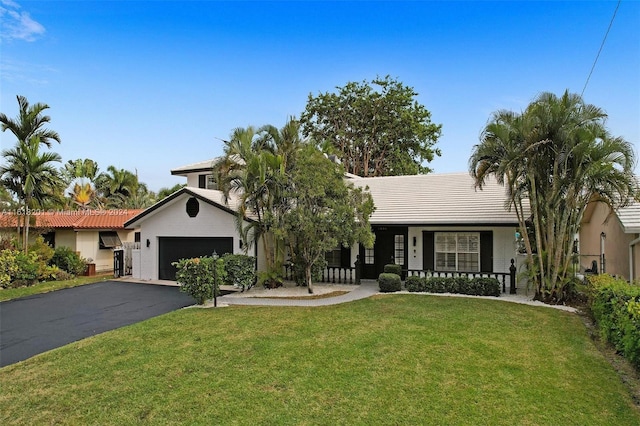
point(66, 238)
point(172, 221)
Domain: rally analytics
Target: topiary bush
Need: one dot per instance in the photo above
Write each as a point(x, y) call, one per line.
point(392, 268)
point(240, 270)
point(68, 260)
point(389, 282)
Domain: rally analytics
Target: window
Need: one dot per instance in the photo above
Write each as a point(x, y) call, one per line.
point(457, 251)
point(50, 238)
point(369, 258)
point(136, 237)
point(207, 182)
point(109, 239)
point(398, 251)
point(334, 257)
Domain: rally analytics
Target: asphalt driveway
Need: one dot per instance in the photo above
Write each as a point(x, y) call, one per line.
point(38, 323)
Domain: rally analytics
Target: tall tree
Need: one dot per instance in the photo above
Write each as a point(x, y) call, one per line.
point(557, 156)
point(29, 123)
point(325, 212)
point(374, 132)
point(31, 176)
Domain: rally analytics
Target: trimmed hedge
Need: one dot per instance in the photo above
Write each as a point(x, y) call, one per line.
point(479, 286)
point(389, 282)
point(615, 306)
point(392, 268)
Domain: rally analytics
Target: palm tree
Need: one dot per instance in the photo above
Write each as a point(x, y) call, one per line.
point(255, 168)
point(116, 185)
point(31, 176)
point(558, 156)
point(29, 123)
point(79, 177)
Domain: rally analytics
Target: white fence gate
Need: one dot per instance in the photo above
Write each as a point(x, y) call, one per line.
point(128, 260)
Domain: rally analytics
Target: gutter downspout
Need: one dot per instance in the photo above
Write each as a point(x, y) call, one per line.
point(631, 262)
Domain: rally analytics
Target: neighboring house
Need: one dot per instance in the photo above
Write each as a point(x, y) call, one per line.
point(91, 233)
point(435, 222)
point(611, 239)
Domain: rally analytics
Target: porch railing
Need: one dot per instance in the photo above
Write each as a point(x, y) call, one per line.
point(330, 274)
point(500, 276)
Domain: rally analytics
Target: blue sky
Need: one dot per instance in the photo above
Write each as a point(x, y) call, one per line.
point(152, 85)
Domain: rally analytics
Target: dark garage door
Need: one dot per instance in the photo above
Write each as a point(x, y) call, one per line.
point(173, 249)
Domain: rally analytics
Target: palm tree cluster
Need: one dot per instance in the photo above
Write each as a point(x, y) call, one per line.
point(554, 158)
point(256, 166)
point(29, 173)
point(269, 169)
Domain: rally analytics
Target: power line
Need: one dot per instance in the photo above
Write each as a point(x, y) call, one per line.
point(601, 46)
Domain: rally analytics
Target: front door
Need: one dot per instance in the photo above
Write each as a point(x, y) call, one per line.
point(390, 247)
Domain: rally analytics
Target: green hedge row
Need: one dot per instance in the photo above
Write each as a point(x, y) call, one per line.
point(460, 285)
point(615, 306)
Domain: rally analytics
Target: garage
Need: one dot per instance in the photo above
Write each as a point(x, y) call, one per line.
point(172, 249)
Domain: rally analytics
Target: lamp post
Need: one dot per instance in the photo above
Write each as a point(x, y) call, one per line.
point(603, 237)
point(215, 279)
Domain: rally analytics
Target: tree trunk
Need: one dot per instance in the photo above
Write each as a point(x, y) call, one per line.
point(307, 278)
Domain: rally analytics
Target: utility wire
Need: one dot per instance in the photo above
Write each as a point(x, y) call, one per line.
point(601, 46)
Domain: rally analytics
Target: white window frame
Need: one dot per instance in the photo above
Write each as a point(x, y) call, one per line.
point(452, 245)
point(399, 253)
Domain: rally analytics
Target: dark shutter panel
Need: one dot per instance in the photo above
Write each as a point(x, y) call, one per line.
point(486, 251)
point(202, 181)
point(428, 250)
point(345, 257)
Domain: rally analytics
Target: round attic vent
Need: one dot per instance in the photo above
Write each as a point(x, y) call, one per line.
point(193, 207)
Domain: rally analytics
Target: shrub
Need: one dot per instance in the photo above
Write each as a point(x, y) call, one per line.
point(615, 307)
point(478, 286)
point(196, 277)
point(8, 267)
point(389, 282)
point(68, 260)
point(27, 273)
point(43, 252)
point(240, 270)
point(487, 286)
point(271, 279)
point(415, 283)
point(392, 268)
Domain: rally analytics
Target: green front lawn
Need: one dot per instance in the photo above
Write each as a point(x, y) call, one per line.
point(386, 360)
point(47, 286)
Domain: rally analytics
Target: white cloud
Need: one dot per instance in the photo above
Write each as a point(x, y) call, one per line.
point(17, 24)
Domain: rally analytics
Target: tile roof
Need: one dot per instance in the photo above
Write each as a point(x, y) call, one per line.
point(75, 219)
point(436, 199)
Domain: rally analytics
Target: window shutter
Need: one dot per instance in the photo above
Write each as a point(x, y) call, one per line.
point(486, 251)
point(345, 257)
point(202, 181)
point(428, 240)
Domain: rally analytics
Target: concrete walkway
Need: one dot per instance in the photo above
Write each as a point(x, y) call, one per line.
point(366, 289)
point(362, 291)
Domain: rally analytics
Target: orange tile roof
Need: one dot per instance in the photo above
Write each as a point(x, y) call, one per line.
point(74, 219)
